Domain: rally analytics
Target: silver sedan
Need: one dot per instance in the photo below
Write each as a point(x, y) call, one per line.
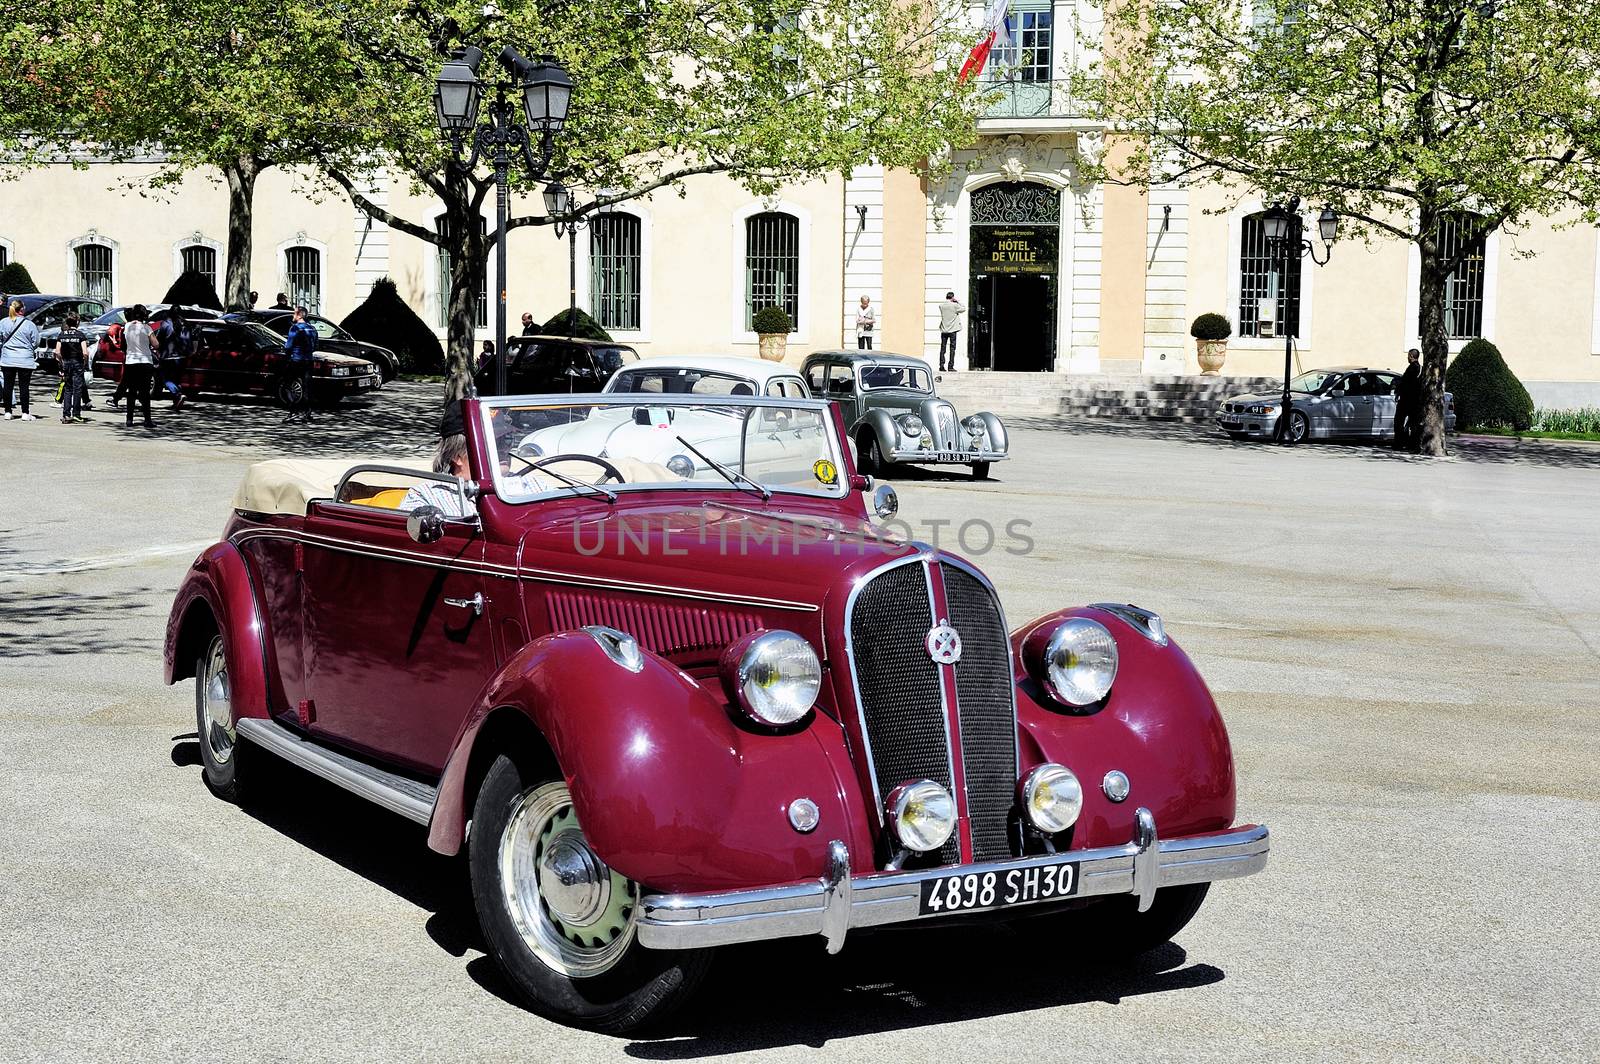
point(1346, 402)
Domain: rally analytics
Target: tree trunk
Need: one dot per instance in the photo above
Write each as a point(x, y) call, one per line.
point(465, 244)
point(1431, 332)
point(241, 173)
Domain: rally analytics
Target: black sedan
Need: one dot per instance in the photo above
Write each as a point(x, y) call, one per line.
point(540, 365)
point(330, 337)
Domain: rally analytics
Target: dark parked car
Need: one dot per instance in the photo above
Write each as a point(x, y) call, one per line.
point(48, 313)
point(330, 337)
point(550, 364)
point(245, 358)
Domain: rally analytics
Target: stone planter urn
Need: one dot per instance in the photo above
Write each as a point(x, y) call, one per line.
point(1211, 354)
point(774, 347)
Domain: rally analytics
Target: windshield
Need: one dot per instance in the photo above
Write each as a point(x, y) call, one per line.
point(1311, 382)
point(554, 445)
point(327, 330)
point(892, 375)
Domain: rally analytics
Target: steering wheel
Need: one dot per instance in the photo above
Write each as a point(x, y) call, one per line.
point(611, 471)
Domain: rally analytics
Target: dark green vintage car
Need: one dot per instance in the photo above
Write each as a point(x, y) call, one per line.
point(895, 417)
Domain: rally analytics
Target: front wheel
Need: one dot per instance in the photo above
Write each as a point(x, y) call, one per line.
point(872, 460)
point(213, 708)
point(559, 921)
point(1299, 426)
point(980, 470)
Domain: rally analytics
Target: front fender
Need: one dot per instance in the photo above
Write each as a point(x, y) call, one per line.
point(881, 424)
point(996, 431)
point(1159, 725)
point(670, 791)
point(218, 594)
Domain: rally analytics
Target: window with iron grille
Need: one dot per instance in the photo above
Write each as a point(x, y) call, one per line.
point(615, 266)
point(94, 271)
point(302, 268)
point(1261, 276)
point(1026, 55)
point(202, 260)
point(1463, 289)
point(771, 264)
point(5, 258)
point(446, 274)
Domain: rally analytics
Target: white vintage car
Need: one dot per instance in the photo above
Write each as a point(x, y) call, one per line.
point(689, 440)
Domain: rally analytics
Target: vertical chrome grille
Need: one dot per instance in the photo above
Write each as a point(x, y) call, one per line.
point(901, 696)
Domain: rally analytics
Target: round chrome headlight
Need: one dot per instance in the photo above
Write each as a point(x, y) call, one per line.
point(681, 465)
point(1076, 661)
point(1052, 798)
point(528, 449)
point(921, 814)
point(975, 426)
point(774, 676)
point(911, 425)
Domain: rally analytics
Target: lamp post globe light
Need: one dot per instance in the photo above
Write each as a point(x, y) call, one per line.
point(560, 206)
point(546, 93)
point(1281, 225)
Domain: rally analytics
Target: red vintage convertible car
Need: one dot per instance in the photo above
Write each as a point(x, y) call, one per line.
point(667, 705)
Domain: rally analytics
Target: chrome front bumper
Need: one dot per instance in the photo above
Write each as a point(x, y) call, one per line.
point(918, 456)
point(833, 904)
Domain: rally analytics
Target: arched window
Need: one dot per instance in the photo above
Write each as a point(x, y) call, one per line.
point(771, 264)
point(1460, 233)
point(202, 260)
point(94, 271)
point(615, 270)
point(1262, 276)
point(302, 267)
point(446, 273)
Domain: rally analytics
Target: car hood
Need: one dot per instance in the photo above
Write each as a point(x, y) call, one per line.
point(333, 358)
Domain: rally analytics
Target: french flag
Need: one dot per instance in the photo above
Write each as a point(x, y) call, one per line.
point(994, 28)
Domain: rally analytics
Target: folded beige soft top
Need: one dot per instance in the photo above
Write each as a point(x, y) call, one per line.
point(287, 485)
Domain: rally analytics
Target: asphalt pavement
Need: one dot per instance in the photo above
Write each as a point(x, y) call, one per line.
point(1407, 652)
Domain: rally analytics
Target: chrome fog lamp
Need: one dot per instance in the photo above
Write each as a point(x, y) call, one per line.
point(911, 425)
point(774, 676)
point(1052, 798)
point(921, 814)
point(681, 465)
point(1076, 661)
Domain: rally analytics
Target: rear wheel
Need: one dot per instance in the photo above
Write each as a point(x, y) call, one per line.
point(560, 922)
point(213, 707)
point(1115, 928)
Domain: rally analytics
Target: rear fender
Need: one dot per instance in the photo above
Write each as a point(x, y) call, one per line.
point(1159, 726)
point(217, 595)
point(670, 790)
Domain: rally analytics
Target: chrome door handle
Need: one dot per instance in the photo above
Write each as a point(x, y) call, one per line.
point(475, 603)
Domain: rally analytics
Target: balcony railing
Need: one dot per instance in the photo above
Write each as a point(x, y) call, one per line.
point(1014, 98)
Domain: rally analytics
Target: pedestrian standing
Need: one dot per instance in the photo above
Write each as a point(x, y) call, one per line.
point(866, 318)
point(282, 303)
point(486, 356)
point(527, 324)
point(950, 313)
point(70, 348)
point(300, 346)
point(1407, 405)
point(138, 362)
point(255, 297)
point(175, 337)
point(18, 339)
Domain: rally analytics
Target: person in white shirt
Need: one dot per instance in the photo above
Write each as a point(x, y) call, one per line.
point(866, 318)
point(949, 325)
point(138, 361)
point(451, 457)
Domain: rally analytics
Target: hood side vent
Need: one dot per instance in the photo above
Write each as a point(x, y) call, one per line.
point(661, 628)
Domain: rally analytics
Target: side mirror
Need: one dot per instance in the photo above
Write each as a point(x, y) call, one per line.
point(885, 501)
point(425, 524)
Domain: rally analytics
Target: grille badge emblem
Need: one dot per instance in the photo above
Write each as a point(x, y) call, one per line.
point(944, 644)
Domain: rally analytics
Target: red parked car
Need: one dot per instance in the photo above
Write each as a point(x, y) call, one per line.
point(247, 358)
point(671, 703)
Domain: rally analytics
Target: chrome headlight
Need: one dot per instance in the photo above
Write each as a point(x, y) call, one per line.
point(681, 465)
point(911, 425)
point(975, 426)
point(1052, 798)
point(1076, 661)
point(528, 449)
point(921, 814)
point(774, 676)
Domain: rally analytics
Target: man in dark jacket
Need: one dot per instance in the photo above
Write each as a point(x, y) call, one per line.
point(1408, 405)
point(301, 347)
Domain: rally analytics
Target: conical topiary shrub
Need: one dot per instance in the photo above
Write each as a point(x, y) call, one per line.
point(16, 281)
point(388, 321)
point(191, 289)
point(1487, 394)
point(583, 327)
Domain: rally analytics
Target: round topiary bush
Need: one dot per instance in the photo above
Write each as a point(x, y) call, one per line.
point(771, 320)
point(16, 281)
point(581, 326)
point(388, 321)
point(1211, 326)
point(1487, 394)
point(191, 289)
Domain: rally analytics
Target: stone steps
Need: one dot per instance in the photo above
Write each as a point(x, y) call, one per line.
point(1137, 398)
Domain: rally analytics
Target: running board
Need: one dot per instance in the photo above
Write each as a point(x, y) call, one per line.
point(398, 794)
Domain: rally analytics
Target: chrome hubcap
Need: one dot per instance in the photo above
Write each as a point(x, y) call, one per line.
point(572, 911)
point(216, 700)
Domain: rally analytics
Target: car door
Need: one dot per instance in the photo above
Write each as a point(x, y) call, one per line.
point(1333, 411)
point(1360, 389)
point(1385, 388)
point(840, 388)
point(398, 635)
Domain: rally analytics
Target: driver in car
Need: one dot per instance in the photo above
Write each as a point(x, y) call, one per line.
point(449, 457)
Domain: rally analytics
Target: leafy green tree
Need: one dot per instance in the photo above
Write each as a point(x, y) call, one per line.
point(1399, 114)
point(764, 91)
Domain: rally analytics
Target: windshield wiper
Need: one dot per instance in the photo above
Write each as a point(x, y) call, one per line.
point(574, 482)
point(734, 477)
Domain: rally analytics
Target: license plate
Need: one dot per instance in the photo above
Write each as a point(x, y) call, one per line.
point(1229, 423)
point(994, 890)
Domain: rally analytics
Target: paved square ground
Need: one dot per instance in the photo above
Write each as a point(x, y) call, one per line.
point(1407, 653)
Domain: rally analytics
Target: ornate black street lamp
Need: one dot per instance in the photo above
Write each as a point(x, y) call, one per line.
point(546, 93)
point(1285, 244)
point(568, 219)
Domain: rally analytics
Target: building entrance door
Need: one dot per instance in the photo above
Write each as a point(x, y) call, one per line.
point(1014, 262)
